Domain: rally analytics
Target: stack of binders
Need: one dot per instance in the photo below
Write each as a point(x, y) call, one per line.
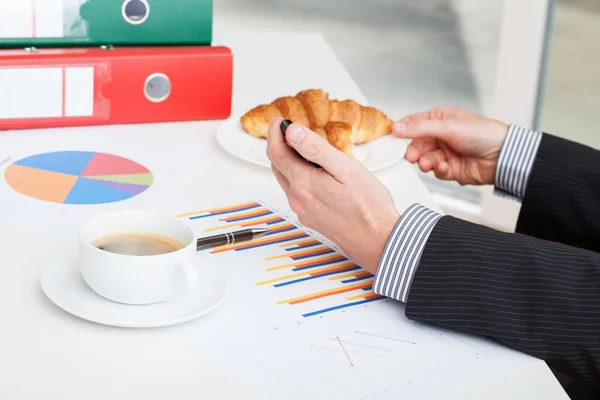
point(100, 62)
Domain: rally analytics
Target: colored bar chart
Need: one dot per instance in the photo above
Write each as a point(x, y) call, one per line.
point(295, 258)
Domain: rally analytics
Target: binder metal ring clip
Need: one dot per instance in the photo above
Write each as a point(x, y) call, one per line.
point(135, 12)
point(157, 87)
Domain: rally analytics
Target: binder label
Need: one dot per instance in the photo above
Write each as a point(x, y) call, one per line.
point(37, 18)
point(16, 19)
point(36, 92)
point(47, 92)
point(79, 92)
point(48, 19)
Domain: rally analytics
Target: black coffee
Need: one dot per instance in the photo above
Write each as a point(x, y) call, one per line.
point(138, 244)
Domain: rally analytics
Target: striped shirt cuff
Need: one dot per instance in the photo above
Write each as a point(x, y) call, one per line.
point(516, 161)
point(402, 253)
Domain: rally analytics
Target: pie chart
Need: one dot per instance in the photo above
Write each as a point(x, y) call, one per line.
point(78, 177)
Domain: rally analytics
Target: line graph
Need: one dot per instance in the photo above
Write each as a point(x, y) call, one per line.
point(363, 345)
point(384, 337)
point(345, 352)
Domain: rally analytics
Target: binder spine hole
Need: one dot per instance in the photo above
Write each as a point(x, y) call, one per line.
point(157, 87)
point(136, 12)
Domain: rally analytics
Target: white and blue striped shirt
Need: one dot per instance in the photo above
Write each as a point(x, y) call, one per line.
point(401, 255)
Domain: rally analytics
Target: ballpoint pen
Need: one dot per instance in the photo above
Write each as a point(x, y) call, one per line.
point(228, 238)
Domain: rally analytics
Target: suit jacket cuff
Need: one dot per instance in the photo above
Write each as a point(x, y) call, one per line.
point(516, 161)
point(402, 253)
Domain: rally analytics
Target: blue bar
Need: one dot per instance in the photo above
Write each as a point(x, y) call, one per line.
point(266, 212)
point(226, 212)
point(280, 220)
point(306, 246)
point(320, 253)
point(281, 231)
point(368, 288)
point(316, 276)
point(319, 264)
point(357, 279)
point(356, 303)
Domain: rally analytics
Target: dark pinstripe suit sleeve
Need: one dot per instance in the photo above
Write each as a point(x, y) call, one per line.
point(537, 296)
point(562, 200)
point(402, 252)
point(401, 255)
point(516, 161)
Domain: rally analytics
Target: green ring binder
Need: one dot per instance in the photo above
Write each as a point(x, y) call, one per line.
point(70, 23)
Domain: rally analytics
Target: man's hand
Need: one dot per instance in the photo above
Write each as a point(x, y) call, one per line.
point(456, 144)
point(342, 201)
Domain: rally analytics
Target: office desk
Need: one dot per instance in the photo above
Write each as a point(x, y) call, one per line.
point(46, 353)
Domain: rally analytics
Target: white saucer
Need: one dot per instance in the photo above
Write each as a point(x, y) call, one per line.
point(63, 284)
point(374, 155)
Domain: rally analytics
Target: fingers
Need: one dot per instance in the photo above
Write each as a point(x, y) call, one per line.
point(417, 116)
point(444, 112)
point(418, 148)
point(426, 128)
point(429, 114)
point(281, 179)
point(275, 139)
point(284, 158)
point(443, 171)
point(432, 160)
point(431, 156)
point(314, 148)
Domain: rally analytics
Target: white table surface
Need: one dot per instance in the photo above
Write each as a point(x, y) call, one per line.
point(46, 353)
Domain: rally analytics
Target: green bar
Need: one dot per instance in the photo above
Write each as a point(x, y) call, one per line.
point(102, 22)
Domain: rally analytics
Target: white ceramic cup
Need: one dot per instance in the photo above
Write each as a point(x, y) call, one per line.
point(133, 279)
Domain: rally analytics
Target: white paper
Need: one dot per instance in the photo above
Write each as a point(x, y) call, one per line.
point(35, 92)
point(31, 19)
point(357, 352)
point(49, 19)
point(144, 144)
point(16, 19)
point(79, 91)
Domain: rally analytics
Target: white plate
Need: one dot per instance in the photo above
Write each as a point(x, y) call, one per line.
point(374, 155)
point(63, 284)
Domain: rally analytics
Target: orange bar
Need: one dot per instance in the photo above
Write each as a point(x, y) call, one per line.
point(305, 273)
point(338, 291)
point(250, 223)
point(333, 278)
point(261, 221)
point(302, 242)
point(360, 296)
point(245, 214)
point(332, 269)
point(335, 257)
point(223, 209)
point(301, 253)
point(355, 274)
point(283, 227)
point(326, 293)
point(372, 296)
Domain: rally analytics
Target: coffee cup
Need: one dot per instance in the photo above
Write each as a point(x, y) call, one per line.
point(137, 257)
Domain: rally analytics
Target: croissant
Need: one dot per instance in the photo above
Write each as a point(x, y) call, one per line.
point(343, 123)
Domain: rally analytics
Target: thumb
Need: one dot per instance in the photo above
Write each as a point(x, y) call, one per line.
point(429, 128)
point(315, 148)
